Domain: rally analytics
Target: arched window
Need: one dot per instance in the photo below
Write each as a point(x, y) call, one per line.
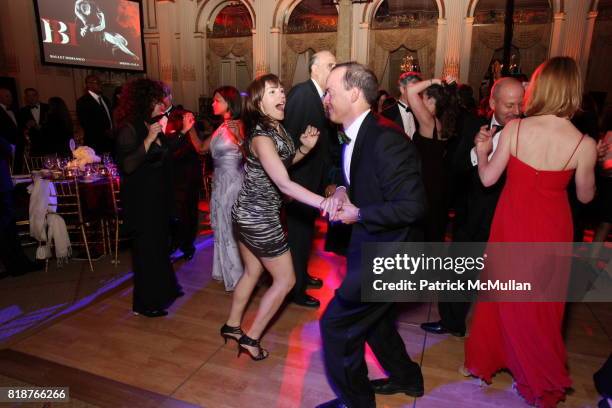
point(230, 47)
point(530, 41)
point(403, 36)
point(313, 16)
point(311, 27)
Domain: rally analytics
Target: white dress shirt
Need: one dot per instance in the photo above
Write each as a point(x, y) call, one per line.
point(352, 131)
point(35, 110)
point(407, 119)
point(319, 90)
point(473, 155)
point(100, 100)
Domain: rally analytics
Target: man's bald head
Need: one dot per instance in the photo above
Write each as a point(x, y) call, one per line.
point(506, 99)
point(320, 65)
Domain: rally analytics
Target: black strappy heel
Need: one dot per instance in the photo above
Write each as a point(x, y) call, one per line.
point(247, 341)
point(231, 332)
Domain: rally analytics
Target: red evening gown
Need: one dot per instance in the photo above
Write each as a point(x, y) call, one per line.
point(525, 338)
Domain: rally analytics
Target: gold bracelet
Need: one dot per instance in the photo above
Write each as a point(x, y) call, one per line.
point(300, 150)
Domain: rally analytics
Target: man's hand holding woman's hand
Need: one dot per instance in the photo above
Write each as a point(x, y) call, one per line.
point(338, 207)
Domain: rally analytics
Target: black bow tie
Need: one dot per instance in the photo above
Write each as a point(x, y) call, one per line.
point(34, 107)
point(498, 128)
point(343, 138)
point(406, 108)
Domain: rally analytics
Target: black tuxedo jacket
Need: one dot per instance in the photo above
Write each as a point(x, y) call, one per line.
point(8, 128)
point(393, 113)
point(95, 123)
point(6, 182)
point(25, 115)
point(386, 185)
point(304, 107)
point(474, 203)
point(35, 134)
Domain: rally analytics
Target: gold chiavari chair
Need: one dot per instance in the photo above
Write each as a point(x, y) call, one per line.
point(69, 207)
point(34, 163)
point(117, 220)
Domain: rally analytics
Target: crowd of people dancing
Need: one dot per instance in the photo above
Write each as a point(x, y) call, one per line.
point(378, 170)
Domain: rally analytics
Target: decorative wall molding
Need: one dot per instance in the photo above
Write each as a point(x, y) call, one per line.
point(189, 73)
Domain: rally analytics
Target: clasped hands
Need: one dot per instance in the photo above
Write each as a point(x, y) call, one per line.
point(338, 207)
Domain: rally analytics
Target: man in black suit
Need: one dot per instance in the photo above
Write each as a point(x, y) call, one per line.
point(474, 216)
point(400, 113)
point(30, 118)
point(383, 199)
point(93, 111)
point(9, 128)
point(305, 108)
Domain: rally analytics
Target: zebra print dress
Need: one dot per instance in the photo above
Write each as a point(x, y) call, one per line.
point(256, 212)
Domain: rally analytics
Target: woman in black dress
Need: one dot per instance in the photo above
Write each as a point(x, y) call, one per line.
point(143, 156)
point(256, 213)
point(435, 108)
point(56, 131)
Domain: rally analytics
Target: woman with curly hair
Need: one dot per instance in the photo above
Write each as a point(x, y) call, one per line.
point(143, 156)
point(435, 108)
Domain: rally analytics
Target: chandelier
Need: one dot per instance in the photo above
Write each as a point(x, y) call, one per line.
point(408, 64)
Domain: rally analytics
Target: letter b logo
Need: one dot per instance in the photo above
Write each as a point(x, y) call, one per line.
point(58, 32)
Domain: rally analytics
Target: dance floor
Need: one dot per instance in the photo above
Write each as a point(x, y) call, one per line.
point(75, 328)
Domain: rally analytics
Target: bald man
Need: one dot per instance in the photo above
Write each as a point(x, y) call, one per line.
point(473, 220)
point(305, 107)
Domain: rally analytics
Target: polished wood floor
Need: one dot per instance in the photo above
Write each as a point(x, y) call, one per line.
point(183, 357)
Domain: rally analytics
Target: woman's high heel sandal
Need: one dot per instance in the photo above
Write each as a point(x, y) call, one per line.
point(231, 332)
point(245, 341)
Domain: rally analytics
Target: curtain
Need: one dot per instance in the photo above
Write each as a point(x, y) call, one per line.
point(422, 40)
point(219, 48)
point(299, 43)
point(531, 39)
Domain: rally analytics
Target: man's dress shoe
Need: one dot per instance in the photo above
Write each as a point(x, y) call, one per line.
point(438, 328)
point(307, 301)
point(314, 282)
point(385, 386)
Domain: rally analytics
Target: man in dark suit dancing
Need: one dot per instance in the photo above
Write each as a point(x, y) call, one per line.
point(474, 216)
point(30, 118)
point(400, 113)
point(305, 108)
point(93, 111)
point(383, 199)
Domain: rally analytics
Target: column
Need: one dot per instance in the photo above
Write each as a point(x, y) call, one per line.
point(275, 50)
point(455, 12)
point(555, 35)
point(575, 28)
point(363, 39)
point(440, 46)
point(263, 22)
point(588, 38)
point(343, 42)
point(466, 51)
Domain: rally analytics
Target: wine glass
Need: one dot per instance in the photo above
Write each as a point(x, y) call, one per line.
point(107, 159)
point(49, 162)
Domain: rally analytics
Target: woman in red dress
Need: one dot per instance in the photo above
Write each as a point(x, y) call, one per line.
point(541, 153)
